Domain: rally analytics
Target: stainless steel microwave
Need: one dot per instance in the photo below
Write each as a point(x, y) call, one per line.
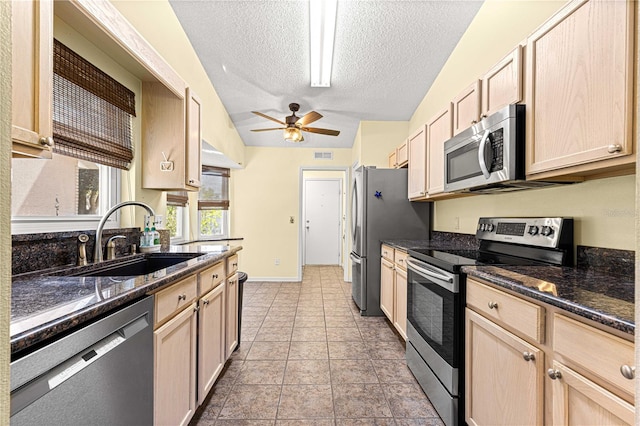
point(489, 155)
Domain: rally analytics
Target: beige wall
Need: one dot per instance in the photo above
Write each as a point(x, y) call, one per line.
point(158, 24)
point(604, 209)
point(376, 139)
point(267, 194)
point(5, 205)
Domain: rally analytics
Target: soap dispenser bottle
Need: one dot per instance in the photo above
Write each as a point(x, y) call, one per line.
point(146, 239)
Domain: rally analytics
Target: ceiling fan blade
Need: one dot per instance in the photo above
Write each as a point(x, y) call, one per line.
point(264, 130)
point(268, 118)
point(321, 131)
point(308, 118)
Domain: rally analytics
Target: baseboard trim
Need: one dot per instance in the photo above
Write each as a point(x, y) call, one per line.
point(274, 279)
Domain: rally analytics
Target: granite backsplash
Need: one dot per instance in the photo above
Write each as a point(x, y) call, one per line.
point(34, 252)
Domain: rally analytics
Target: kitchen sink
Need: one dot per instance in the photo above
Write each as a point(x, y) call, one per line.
point(147, 264)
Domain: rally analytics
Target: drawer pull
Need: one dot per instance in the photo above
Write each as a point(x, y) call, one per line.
point(614, 148)
point(493, 305)
point(215, 276)
point(205, 302)
point(628, 372)
point(196, 308)
point(554, 374)
point(235, 264)
point(528, 356)
point(182, 297)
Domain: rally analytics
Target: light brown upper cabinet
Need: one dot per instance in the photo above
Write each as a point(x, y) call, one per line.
point(393, 163)
point(399, 157)
point(171, 139)
point(417, 173)
point(439, 130)
point(32, 74)
point(466, 108)
point(579, 91)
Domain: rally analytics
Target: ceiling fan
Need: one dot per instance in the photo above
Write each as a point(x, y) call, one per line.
point(294, 125)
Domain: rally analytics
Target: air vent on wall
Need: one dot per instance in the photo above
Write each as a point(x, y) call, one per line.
point(323, 155)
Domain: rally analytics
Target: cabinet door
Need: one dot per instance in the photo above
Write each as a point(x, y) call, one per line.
point(387, 288)
point(32, 73)
point(438, 132)
point(402, 155)
point(392, 160)
point(417, 173)
point(502, 84)
point(232, 314)
point(580, 87)
point(466, 108)
point(193, 167)
point(401, 302)
point(578, 401)
point(502, 387)
point(175, 369)
point(211, 339)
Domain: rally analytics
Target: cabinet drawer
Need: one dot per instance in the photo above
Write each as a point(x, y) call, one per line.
point(387, 252)
point(525, 318)
point(232, 265)
point(400, 259)
point(211, 277)
point(594, 350)
point(173, 299)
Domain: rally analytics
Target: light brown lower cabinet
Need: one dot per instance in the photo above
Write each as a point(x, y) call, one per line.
point(578, 401)
point(175, 369)
point(211, 333)
point(401, 302)
point(504, 376)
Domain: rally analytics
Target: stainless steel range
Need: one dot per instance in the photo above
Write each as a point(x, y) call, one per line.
point(436, 298)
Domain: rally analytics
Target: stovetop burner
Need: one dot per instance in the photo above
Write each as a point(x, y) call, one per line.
point(509, 241)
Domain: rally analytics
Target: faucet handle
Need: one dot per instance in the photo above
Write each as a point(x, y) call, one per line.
point(111, 246)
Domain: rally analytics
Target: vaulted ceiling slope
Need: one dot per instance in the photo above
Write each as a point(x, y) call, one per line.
point(387, 55)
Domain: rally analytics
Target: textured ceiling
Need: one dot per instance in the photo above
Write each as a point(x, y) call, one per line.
point(387, 54)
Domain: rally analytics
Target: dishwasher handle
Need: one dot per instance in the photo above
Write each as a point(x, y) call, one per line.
point(40, 386)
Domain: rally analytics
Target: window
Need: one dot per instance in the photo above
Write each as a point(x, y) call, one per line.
point(92, 117)
point(213, 203)
point(177, 215)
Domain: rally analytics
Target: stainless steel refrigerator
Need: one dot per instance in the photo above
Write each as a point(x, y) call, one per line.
point(380, 210)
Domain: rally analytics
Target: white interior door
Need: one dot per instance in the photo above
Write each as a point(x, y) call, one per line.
point(322, 221)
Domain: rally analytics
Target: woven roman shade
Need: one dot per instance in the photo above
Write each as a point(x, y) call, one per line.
point(214, 191)
point(177, 198)
point(91, 111)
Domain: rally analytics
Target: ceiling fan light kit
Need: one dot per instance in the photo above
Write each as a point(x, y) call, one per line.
point(322, 29)
point(294, 125)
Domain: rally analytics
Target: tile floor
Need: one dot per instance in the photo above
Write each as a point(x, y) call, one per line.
point(307, 357)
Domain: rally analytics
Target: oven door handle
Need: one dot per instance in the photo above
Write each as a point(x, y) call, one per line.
point(482, 157)
point(354, 259)
point(413, 265)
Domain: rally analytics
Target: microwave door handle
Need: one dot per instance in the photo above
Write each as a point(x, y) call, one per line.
point(481, 155)
point(428, 273)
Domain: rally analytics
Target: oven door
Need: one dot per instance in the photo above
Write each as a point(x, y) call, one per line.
point(435, 318)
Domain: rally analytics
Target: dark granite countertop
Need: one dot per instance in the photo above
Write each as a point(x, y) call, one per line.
point(592, 293)
point(601, 288)
point(44, 305)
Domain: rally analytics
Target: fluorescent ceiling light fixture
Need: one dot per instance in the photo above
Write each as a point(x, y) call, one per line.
point(322, 28)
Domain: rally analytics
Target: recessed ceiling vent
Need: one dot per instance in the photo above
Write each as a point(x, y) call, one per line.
point(323, 155)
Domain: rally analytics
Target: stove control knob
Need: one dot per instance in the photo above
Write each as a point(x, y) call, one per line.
point(483, 227)
point(490, 227)
point(533, 230)
point(547, 231)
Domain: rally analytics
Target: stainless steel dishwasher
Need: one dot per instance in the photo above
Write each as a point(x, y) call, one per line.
point(101, 374)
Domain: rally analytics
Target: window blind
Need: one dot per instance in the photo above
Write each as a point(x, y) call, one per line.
point(177, 198)
point(91, 111)
point(214, 191)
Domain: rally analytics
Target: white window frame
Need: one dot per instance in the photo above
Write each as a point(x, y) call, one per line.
point(181, 223)
point(225, 227)
point(110, 178)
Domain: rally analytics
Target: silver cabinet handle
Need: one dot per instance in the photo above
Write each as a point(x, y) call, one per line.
point(47, 141)
point(191, 181)
point(613, 148)
point(214, 276)
point(473, 122)
point(182, 297)
point(196, 308)
point(493, 305)
point(554, 374)
point(205, 302)
point(628, 372)
point(528, 356)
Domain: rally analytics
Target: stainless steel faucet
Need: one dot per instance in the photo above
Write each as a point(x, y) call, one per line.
point(97, 252)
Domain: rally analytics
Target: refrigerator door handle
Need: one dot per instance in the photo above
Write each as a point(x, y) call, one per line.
point(355, 259)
